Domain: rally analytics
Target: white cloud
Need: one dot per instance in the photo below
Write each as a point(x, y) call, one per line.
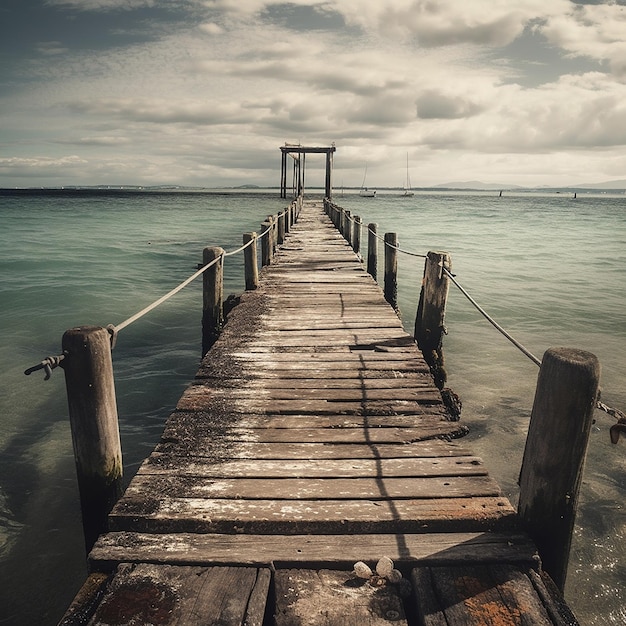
point(597, 31)
point(102, 5)
point(218, 95)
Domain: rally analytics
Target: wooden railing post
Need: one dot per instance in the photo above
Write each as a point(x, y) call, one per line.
point(273, 219)
point(431, 310)
point(266, 243)
point(213, 297)
point(93, 417)
point(348, 228)
point(251, 267)
point(287, 220)
point(372, 250)
point(552, 467)
point(356, 234)
point(391, 269)
point(281, 228)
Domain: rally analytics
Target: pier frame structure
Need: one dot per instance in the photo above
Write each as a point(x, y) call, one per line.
point(298, 153)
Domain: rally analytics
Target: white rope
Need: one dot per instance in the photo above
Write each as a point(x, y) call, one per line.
point(497, 326)
point(167, 296)
point(182, 285)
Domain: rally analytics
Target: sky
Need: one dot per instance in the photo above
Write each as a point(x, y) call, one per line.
point(204, 92)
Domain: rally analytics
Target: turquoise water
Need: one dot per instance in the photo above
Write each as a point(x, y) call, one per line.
point(550, 269)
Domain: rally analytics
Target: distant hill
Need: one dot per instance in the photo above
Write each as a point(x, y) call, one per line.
point(476, 184)
point(609, 184)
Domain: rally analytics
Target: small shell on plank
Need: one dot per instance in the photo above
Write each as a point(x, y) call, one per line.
point(384, 567)
point(362, 570)
point(395, 576)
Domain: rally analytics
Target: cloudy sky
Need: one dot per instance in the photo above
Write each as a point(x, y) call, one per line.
point(203, 92)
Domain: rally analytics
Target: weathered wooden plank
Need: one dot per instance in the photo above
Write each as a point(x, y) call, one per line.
point(381, 488)
point(356, 393)
point(315, 597)
point(325, 407)
point(477, 595)
point(211, 437)
point(314, 468)
point(377, 357)
point(184, 595)
point(282, 450)
point(334, 551)
point(266, 516)
point(321, 381)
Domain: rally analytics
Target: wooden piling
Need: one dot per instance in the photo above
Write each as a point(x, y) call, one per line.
point(266, 243)
point(356, 239)
point(372, 250)
point(93, 418)
point(348, 227)
point(552, 467)
point(429, 322)
point(213, 297)
point(280, 234)
point(251, 268)
point(391, 269)
point(273, 220)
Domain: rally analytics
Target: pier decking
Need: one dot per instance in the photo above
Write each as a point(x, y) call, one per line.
point(313, 437)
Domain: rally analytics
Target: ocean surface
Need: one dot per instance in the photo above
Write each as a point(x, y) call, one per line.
point(549, 268)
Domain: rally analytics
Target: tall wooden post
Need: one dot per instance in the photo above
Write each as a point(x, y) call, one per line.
point(266, 243)
point(251, 267)
point(552, 468)
point(356, 239)
point(391, 269)
point(328, 191)
point(213, 297)
point(93, 417)
point(283, 175)
point(281, 228)
point(431, 310)
point(273, 220)
point(287, 220)
point(372, 250)
point(348, 227)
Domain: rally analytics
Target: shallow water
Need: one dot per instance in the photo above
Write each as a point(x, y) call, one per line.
point(548, 268)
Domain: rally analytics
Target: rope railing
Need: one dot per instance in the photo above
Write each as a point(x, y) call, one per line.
point(90, 383)
point(52, 362)
point(186, 282)
point(615, 430)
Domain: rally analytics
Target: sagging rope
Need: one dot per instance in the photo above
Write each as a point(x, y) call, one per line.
point(182, 285)
point(490, 319)
point(614, 431)
point(397, 248)
point(52, 362)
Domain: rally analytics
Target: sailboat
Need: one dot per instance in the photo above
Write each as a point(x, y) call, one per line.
point(407, 185)
point(365, 192)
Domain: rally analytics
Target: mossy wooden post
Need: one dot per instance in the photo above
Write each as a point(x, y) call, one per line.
point(372, 250)
point(281, 228)
point(251, 267)
point(356, 240)
point(213, 297)
point(266, 243)
point(93, 418)
point(552, 467)
point(391, 269)
point(431, 310)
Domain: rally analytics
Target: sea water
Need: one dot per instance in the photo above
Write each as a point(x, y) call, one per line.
point(547, 267)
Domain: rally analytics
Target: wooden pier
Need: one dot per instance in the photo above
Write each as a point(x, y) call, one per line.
point(312, 438)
